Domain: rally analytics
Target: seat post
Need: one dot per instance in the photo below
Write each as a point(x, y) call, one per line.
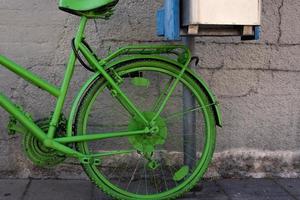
point(80, 32)
point(67, 79)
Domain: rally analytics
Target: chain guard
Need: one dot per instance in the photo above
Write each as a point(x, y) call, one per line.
point(36, 151)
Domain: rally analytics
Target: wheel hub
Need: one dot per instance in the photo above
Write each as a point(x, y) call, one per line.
point(157, 135)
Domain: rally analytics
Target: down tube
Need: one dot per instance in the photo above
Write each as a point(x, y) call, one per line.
point(11, 108)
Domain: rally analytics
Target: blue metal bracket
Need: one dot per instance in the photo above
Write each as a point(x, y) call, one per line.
point(257, 32)
point(168, 20)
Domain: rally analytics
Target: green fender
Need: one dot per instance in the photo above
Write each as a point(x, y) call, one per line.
point(123, 60)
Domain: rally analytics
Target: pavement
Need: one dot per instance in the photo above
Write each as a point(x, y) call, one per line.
point(227, 189)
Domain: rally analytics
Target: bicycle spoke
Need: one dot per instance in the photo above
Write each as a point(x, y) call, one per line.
point(172, 173)
point(162, 95)
point(170, 91)
point(134, 172)
point(181, 113)
point(120, 178)
point(113, 172)
point(138, 187)
point(154, 179)
point(120, 109)
point(128, 104)
point(145, 171)
point(162, 171)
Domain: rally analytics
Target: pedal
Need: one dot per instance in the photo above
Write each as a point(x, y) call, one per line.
point(181, 173)
point(140, 82)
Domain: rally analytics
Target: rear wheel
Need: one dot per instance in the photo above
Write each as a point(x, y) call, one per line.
point(158, 165)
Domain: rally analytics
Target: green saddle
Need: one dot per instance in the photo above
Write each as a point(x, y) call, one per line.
point(88, 8)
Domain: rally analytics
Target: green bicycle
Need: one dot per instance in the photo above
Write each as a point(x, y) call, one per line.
point(125, 125)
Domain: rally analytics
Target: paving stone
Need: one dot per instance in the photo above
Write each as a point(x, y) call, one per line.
point(291, 185)
point(234, 189)
point(208, 190)
point(97, 194)
point(211, 191)
point(254, 189)
point(12, 189)
point(59, 189)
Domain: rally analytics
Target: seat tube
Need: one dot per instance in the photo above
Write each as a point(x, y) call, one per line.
point(66, 81)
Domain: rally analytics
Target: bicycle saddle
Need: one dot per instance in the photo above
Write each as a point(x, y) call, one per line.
point(88, 8)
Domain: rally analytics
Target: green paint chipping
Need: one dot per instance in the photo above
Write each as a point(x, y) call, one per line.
point(140, 82)
point(180, 174)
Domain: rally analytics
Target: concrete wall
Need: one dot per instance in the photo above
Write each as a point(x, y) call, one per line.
point(257, 83)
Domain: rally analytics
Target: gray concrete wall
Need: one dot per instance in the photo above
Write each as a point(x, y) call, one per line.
point(257, 83)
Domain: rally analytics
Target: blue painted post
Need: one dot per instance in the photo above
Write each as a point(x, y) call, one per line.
point(168, 26)
point(172, 20)
point(160, 22)
point(168, 20)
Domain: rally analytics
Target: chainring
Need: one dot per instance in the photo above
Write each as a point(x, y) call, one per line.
point(39, 154)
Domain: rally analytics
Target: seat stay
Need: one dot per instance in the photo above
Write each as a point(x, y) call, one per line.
point(115, 89)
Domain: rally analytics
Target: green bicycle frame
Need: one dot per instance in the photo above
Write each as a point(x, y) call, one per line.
point(48, 138)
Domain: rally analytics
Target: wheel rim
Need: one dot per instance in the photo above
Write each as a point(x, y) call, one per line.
point(179, 173)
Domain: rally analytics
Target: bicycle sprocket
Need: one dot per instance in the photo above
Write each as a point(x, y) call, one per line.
point(39, 154)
